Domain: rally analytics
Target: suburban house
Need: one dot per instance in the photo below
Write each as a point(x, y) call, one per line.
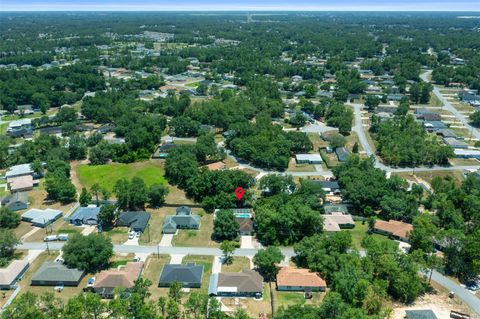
point(247, 283)
point(296, 279)
point(18, 128)
point(454, 143)
point(85, 216)
point(21, 183)
point(467, 153)
point(53, 273)
point(183, 219)
point(420, 314)
point(41, 217)
point(446, 133)
point(189, 275)
point(124, 277)
point(19, 170)
point(433, 126)
point(342, 153)
point(246, 225)
point(16, 201)
point(136, 221)
point(308, 159)
point(337, 221)
point(12, 273)
point(330, 187)
point(393, 228)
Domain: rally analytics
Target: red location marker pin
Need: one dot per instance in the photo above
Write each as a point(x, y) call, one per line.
point(239, 192)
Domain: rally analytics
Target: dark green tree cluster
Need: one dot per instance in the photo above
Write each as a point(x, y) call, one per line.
point(266, 145)
point(285, 219)
point(91, 253)
point(360, 287)
point(402, 141)
point(8, 218)
point(139, 304)
point(58, 185)
point(225, 227)
point(369, 190)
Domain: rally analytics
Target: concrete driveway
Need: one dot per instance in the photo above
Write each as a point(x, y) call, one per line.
point(166, 240)
point(176, 259)
point(246, 242)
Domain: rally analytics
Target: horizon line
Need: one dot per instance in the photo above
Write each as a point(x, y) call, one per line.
point(242, 10)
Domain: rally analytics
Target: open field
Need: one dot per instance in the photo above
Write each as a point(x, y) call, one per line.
point(107, 175)
point(289, 298)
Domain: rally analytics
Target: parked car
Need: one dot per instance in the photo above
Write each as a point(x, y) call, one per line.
point(473, 286)
point(50, 238)
point(131, 235)
point(90, 282)
point(137, 234)
point(62, 237)
point(137, 258)
point(58, 288)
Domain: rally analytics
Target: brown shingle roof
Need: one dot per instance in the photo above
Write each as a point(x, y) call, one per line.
point(245, 281)
point(246, 224)
point(394, 227)
point(290, 276)
point(122, 277)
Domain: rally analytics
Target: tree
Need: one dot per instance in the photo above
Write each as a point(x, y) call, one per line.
point(8, 218)
point(310, 91)
point(227, 247)
point(131, 194)
point(40, 100)
point(107, 215)
point(337, 141)
point(8, 241)
point(175, 291)
point(156, 195)
point(225, 227)
point(355, 148)
point(475, 118)
point(95, 189)
point(85, 197)
point(298, 120)
point(266, 260)
point(372, 102)
point(90, 253)
point(276, 184)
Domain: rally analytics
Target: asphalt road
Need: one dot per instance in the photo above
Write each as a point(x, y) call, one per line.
point(449, 107)
point(208, 251)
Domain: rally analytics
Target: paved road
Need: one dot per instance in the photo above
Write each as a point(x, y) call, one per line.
point(244, 252)
point(460, 292)
point(449, 107)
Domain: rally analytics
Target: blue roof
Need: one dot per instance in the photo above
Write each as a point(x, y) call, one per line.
point(85, 213)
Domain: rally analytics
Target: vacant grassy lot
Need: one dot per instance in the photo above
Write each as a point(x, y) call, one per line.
point(153, 269)
point(201, 237)
point(118, 235)
point(107, 175)
point(288, 298)
point(206, 261)
point(238, 264)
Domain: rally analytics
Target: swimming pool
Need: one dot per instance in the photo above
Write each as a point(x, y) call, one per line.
point(243, 215)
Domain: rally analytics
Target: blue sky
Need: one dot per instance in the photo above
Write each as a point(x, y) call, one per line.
point(251, 5)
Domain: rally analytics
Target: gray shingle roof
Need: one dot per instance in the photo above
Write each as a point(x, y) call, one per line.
point(190, 273)
point(58, 272)
point(135, 220)
point(420, 314)
point(85, 213)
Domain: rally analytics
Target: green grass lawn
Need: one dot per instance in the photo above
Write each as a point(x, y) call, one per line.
point(238, 264)
point(193, 84)
point(107, 175)
point(360, 231)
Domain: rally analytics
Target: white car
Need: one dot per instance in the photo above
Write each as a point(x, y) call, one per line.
point(131, 235)
point(138, 234)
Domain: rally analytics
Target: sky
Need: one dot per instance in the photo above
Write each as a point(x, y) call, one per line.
point(240, 5)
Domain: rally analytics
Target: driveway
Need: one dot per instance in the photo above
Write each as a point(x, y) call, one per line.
point(176, 258)
point(87, 230)
point(246, 242)
point(166, 240)
point(132, 242)
point(217, 265)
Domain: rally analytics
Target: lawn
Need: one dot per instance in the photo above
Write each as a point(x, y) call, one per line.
point(360, 231)
point(288, 298)
point(434, 101)
point(118, 235)
point(107, 175)
point(193, 84)
point(153, 269)
point(153, 234)
point(199, 238)
point(207, 262)
point(238, 264)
